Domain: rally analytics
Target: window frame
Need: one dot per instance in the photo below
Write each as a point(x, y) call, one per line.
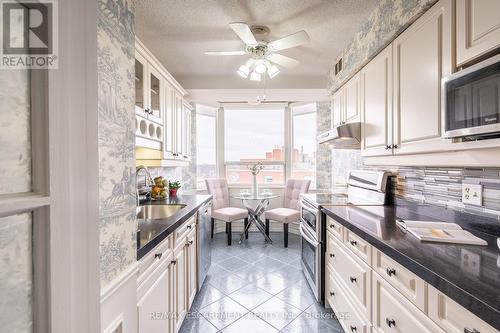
point(207, 111)
point(222, 163)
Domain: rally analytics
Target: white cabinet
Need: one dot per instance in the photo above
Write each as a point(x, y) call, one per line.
point(422, 57)
point(170, 125)
point(153, 308)
point(352, 98)
point(192, 273)
point(345, 103)
point(478, 29)
point(376, 105)
point(394, 313)
point(452, 317)
point(179, 287)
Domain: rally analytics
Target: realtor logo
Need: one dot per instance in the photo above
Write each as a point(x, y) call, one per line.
point(28, 34)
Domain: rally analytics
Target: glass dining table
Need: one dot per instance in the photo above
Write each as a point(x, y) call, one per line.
point(255, 211)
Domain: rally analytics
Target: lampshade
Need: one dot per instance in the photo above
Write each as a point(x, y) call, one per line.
point(272, 71)
point(243, 71)
point(255, 76)
point(260, 67)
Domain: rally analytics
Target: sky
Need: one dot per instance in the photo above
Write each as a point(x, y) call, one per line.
point(251, 133)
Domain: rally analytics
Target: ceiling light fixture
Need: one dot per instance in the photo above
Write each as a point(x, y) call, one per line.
point(243, 71)
point(260, 67)
point(255, 76)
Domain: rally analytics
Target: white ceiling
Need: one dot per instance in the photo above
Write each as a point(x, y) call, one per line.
point(179, 31)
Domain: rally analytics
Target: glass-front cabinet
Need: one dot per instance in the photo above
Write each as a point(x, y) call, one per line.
point(156, 97)
point(140, 71)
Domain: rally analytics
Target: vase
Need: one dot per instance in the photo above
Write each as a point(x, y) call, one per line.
point(173, 192)
point(255, 187)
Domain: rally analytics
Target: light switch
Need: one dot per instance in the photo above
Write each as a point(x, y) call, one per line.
point(472, 194)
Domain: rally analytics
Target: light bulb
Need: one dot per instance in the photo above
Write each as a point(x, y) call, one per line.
point(255, 76)
point(243, 71)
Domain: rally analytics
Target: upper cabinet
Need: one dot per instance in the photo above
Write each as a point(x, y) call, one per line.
point(376, 105)
point(478, 29)
point(401, 99)
point(346, 103)
point(423, 55)
point(161, 119)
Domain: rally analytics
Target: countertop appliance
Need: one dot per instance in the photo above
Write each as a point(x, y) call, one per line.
point(343, 136)
point(471, 101)
point(364, 188)
point(203, 239)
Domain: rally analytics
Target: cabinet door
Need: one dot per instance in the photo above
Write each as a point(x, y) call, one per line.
point(351, 98)
point(179, 286)
point(422, 57)
point(337, 107)
point(376, 105)
point(187, 133)
point(478, 28)
point(169, 124)
point(192, 274)
point(140, 85)
point(156, 98)
point(153, 308)
point(178, 127)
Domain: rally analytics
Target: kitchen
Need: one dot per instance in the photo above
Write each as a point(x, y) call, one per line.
point(247, 165)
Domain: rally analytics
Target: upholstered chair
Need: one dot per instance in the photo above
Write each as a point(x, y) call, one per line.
point(221, 211)
point(290, 212)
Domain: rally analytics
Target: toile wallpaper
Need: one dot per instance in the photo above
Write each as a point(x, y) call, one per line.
point(116, 142)
point(323, 153)
point(387, 21)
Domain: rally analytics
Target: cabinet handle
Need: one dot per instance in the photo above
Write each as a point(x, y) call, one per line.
point(353, 279)
point(332, 226)
point(353, 242)
point(332, 293)
point(468, 330)
point(158, 255)
point(353, 329)
point(395, 146)
point(185, 156)
point(388, 147)
point(332, 255)
point(189, 226)
point(173, 262)
point(390, 271)
point(390, 322)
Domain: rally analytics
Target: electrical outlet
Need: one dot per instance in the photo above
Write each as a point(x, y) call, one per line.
point(472, 194)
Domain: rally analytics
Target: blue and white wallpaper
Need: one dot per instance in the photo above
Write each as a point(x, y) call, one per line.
point(387, 21)
point(116, 51)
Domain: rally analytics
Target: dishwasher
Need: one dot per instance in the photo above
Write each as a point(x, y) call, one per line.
point(204, 251)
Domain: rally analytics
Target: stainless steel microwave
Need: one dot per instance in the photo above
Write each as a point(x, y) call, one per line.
point(471, 101)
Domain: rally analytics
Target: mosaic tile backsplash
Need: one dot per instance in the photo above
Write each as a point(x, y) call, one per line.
point(443, 187)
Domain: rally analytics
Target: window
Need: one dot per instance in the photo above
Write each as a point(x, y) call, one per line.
point(304, 143)
point(254, 135)
point(206, 152)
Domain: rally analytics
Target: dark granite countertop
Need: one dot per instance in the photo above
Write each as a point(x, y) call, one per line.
point(470, 275)
point(152, 232)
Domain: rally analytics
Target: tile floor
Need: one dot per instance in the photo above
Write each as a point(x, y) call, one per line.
point(257, 287)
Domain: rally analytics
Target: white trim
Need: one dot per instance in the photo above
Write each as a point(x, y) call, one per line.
point(115, 324)
point(288, 142)
point(111, 288)
point(18, 203)
point(219, 147)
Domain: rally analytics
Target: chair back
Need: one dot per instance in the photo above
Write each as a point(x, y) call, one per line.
point(294, 188)
point(217, 187)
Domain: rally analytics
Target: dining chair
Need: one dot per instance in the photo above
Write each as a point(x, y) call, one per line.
point(221, 210)
point(290, 212)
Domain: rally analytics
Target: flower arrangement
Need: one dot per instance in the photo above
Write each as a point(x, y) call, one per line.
point(173, 187)
point(255, 168)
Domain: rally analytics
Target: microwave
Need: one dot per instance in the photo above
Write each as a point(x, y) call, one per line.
point(471, 101)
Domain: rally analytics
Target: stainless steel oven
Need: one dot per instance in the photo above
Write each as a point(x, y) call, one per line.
point(311, 255)
point(471, 101)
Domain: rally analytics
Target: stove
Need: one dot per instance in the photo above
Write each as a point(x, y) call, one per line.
point(364, 188)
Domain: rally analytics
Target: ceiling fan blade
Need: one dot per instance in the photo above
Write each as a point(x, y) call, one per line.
point(225, 53)
point(243, 31)
point(282, 60)
point(289, 41)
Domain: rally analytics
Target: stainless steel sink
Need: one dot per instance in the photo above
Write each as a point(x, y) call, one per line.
point(158, 211)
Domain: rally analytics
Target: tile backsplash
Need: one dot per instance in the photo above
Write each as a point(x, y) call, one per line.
point(443, 187)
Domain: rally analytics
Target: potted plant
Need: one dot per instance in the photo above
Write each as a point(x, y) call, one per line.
point(173, 187)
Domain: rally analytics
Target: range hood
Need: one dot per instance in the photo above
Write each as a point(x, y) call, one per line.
point(344, 136)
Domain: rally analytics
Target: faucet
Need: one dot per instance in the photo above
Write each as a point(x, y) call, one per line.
point(147, 188)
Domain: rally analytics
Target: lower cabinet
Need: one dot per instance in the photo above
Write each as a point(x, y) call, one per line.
point(168, 283)
point(179, 286)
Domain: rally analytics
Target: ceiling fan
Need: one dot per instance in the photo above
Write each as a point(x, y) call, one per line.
point(263, 57)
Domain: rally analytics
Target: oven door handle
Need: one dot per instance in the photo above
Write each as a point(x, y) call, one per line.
point(307, 206)
point(305, 233)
